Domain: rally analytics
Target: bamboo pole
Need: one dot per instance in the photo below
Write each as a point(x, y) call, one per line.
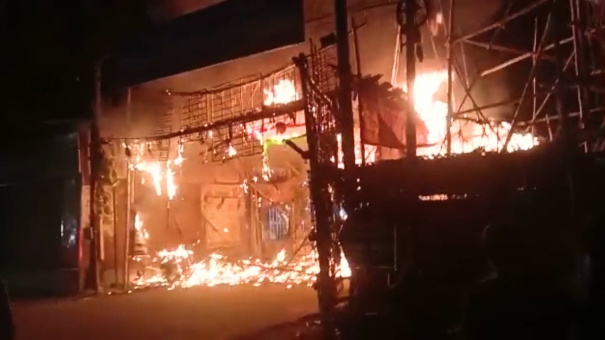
point(450, 77)
point(359, 98)
point(94, 173)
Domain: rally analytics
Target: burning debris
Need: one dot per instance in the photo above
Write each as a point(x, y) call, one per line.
point(178, 270)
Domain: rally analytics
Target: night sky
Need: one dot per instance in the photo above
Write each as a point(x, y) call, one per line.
point(51, 47)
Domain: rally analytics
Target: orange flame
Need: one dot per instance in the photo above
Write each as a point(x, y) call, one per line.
point(283, 92)
point(218, 270)
point(466, 136)
point(161, 173)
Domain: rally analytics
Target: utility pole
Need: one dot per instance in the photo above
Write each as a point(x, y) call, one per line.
point(412, 40)
point(359, 99)
point(450, 77)
point(95, 156)
point(345, 90)
point(129, 197)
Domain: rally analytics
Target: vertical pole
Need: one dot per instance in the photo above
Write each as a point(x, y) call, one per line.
point(129, 196)
point(115, 235)
point(534, 83)
point(556, 30)
point(166, 191)
point(450, 78)
point(396, 57)
point(94, 172)
point(345, 86)
point(578, 44)
point(326, 286)
point(381, 151)
point(128, 110)
point(129, 226)
point(362, 145)
point(412, 37)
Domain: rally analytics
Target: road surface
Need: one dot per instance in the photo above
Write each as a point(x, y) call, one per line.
point(182, 314)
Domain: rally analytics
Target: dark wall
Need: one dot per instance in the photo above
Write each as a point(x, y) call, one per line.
point(39, 204)
point(31, 225)
point(36, 157)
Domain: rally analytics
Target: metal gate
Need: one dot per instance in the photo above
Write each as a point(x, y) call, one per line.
point(223, 211)
point(276, 224)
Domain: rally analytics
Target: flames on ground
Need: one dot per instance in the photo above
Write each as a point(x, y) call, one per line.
point(178, 268)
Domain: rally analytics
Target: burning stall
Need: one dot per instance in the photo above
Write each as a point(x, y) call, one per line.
point(389, 212)
point(224, 199)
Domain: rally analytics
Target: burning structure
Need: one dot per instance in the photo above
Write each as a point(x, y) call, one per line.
point(406, 187)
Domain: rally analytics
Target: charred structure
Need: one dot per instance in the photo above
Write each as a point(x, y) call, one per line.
point(422, 219)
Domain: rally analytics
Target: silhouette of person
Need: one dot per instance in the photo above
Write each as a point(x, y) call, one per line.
point(7, 328)
point(533, 254)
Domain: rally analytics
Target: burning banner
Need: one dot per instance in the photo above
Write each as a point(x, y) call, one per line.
point(386, 112)
point(383, 121)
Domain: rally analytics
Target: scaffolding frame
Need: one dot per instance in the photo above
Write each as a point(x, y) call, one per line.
point(549, 112)
point(575, 61)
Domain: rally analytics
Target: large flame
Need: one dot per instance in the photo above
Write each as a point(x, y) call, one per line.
point(283, 92)
point(466, 136)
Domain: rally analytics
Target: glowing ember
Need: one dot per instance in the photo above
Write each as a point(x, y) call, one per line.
point(231, 152)
point(466, 136)
point(181, 271)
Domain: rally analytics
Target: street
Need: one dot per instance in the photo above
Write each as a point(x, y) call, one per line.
point(196, 313)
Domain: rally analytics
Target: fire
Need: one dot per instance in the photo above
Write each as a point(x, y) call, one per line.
point(179, 270)
point(153, 169)
point(177, 267)
point(138, 226)
point(162, 173)
point(283, 92)
point(170, 184)
point(466, 136)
